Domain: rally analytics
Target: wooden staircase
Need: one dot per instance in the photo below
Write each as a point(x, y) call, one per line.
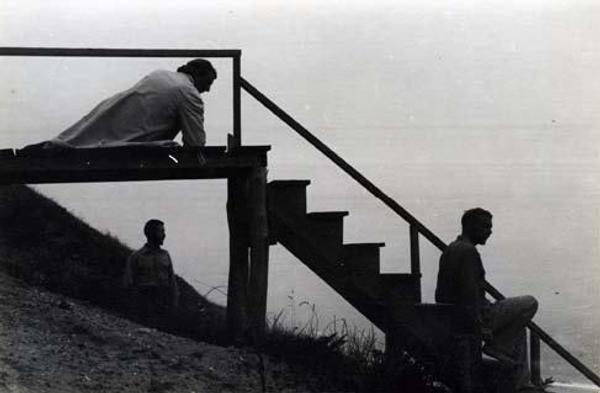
point(352, 270)
point(392, 302)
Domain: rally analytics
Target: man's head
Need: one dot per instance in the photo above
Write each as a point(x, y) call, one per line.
point(477, 225)
point(155, 232)
point(202, 72)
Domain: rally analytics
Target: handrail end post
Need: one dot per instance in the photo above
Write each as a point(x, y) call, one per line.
point(237, 103)
point(535, 359)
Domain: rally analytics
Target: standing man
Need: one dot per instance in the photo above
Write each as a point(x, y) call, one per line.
point(461, 281)
point(152, 112)
point(150, 277)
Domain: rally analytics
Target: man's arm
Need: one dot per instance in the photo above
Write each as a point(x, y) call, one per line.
point(191, 119)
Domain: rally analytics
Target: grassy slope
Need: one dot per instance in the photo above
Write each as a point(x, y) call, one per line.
point(52, 344)
point(45, 245)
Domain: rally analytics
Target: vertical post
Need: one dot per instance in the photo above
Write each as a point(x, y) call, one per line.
point(415, 257)
point(237, 102)
point(238, 259)
point(535, 359)
point(259, 251)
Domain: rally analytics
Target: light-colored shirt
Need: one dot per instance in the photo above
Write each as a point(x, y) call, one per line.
point(150, 113)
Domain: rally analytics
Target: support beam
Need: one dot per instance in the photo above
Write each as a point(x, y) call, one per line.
point(128, 163)
point(415, 254)
point(237, 100)
point(535, 359)
point(118, 52)
point(259, 251)
point(237, 289)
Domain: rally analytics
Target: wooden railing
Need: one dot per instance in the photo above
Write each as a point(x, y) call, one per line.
point(416, 229)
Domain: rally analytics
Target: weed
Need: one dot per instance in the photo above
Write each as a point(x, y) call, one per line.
point(342, 356)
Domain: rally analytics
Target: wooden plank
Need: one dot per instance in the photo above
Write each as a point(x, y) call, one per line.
point(330, 271)
point(237, 103)
point(127, 164)
point(116, 175)
point(535, 359)
point(415, 254)
point(237, 289)
point(117, 52)
point(401, 288)
point(119, 150)
point(259, 251)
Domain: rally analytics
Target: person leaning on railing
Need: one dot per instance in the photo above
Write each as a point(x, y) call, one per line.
point(152, 112)
point(461, 281)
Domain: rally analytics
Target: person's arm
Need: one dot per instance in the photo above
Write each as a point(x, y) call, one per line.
point(191, 119)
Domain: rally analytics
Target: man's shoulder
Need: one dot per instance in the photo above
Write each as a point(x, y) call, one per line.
point(164, 252)
point(461, 247)
point(189, 92)
point(137, 253)
point(160, 73)
point(173, 79)
point(146, 251)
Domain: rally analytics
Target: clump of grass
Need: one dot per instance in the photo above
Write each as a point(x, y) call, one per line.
point(42, 243)
point(341, 356)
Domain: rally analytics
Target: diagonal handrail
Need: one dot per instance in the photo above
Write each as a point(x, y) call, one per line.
point(339, 161)
point(546, 338)
point(395, 206)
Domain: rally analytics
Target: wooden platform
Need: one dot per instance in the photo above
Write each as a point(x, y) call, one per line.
point(131, 163)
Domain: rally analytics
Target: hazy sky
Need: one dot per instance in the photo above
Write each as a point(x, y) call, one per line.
point(505, 90)
point(400, 63)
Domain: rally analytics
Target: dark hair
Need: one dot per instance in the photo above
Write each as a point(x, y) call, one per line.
point(151, 225)
point(198, 67)
point(474, 216)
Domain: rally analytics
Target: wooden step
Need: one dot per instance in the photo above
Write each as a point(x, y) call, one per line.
point(401, 288)
point(362, 257)
point(326, 229)
point(288, 197)
point(334, 274)
point(361, 263)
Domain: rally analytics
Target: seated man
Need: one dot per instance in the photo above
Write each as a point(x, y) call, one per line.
point(150, 113)
point(150, 277)
point(461, 280)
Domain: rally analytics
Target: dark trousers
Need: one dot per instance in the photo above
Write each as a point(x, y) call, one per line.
point(153, 305)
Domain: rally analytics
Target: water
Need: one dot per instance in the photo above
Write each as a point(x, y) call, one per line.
point(486, 103)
